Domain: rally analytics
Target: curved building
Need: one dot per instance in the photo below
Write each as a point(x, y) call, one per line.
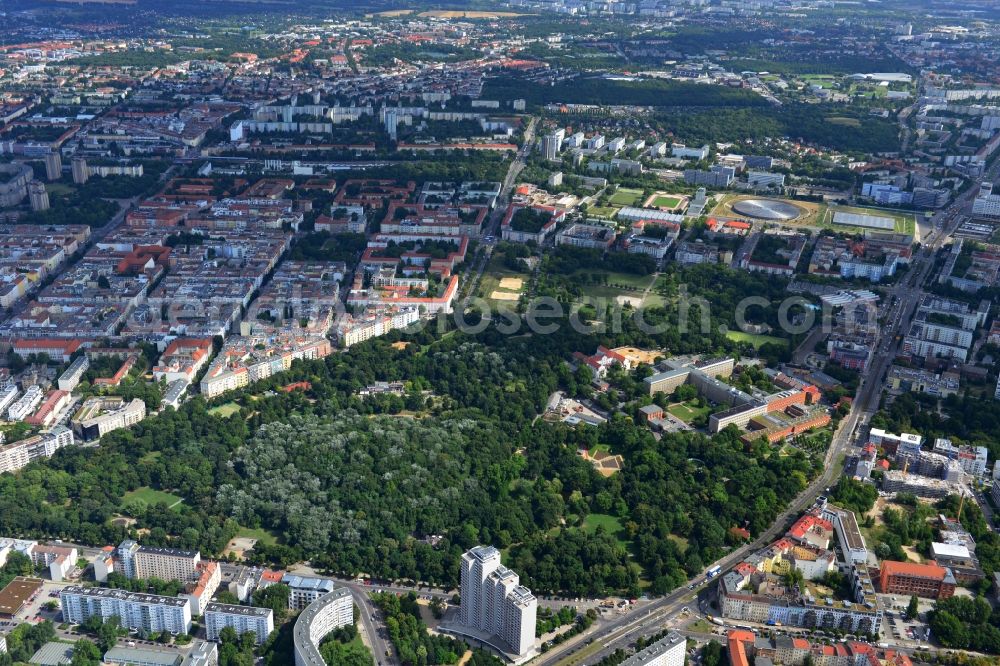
point(319, 618)
point(767, 209)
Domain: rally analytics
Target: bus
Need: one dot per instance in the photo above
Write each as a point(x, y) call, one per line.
point(711, 573)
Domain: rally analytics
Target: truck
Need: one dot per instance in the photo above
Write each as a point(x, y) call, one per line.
point(714, 571)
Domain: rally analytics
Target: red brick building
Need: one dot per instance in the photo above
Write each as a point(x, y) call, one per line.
point(924, 580)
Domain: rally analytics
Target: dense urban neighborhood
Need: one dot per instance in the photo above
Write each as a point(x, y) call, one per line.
point(550, 332)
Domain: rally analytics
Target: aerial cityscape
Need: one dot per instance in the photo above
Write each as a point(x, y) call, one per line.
point(486, 332)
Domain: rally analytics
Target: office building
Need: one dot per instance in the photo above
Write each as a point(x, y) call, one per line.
point(930, 581)
point(147, 613)
point(925, 197)
point(763, 180)
point(680, 151)
point(718, 176)
point(243, 619)
point(494, 602)
point(987, 202)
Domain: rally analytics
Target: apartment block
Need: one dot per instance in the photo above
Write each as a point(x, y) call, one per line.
point(199, 592)
point(586, 235)
point(671, 650)
point(141, 562)
point(148, 613)
point(494, 603)
point(18, 454)
point(242, 619)
point(329, 612)
point(69, 379)
point(303, 590)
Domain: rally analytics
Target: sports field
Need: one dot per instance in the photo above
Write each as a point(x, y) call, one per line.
point(905, 222)
point(666, 202)
point(626, 197)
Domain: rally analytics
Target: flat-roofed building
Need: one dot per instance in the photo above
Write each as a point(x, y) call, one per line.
point(496, 609)
point(166, 563)
point(16, 595)
point(962, 562)
point(242, 619)
point(69, 379)
point(327, 613)
point(149, 613)
point(671, 650)
point(303, 590)
point(852, 542)
point(204, 654)
point(18, 454)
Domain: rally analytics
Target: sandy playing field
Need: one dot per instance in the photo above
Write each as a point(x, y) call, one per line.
point(498, 295)
point(638, 355)
point(511, 284)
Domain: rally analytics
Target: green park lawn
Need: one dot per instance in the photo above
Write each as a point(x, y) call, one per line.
point(224, 410)
point(259, 533)
point(756, 339)
point(151, 497)
point(687, 412)
point(611, 524)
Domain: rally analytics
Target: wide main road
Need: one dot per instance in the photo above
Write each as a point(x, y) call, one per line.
point(492, 225)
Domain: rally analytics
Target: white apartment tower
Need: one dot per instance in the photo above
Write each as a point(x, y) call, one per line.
point(494, 602)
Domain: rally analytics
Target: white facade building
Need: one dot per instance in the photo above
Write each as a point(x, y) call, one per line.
point(495, 603)
point(303, 590)
point(25, 405)
point(329, 612)
point(18, 454)
point(668, 651)
point(148, 613)
point(241, 618)
point(987, 202)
